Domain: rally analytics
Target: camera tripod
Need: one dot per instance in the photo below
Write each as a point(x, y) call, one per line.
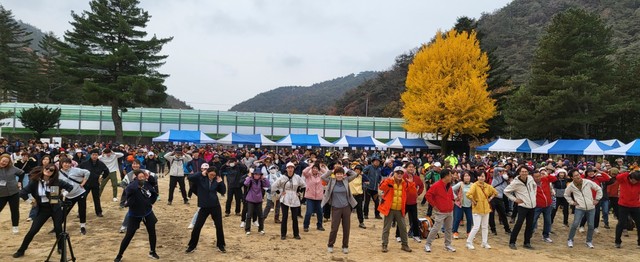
point(64, 239)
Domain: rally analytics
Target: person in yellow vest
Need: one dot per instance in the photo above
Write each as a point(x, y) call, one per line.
point(358, 193)
point(392, 205)
point(480, 195)
point(452, 159)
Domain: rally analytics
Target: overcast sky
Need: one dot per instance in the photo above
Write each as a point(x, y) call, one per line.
point(225, 52)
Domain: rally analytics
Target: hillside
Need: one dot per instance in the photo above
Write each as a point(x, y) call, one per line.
point(315, 99)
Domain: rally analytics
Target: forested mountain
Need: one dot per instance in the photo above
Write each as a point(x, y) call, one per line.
point(315, 99)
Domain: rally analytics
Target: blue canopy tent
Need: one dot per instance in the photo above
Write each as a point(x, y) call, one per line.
point(631, 149)
point(573, 147)
point(615, 143)
point(509, 145)
point(303, 140)
point(189, 136)
point(354, 141)
point(411, 143)
point(244, 139)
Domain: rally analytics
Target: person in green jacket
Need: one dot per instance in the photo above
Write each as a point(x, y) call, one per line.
point(452, 159)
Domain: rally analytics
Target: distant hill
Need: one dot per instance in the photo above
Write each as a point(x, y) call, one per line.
point(315, 99)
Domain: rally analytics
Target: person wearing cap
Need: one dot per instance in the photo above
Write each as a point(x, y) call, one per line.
point(273, 198)
point(578, 194)
point(152, 162)
point(395, 190)
point(355, 186)
point(372, 176)
point(559, 187)
point(234, 173)
point(430, 178)
point(209, 187)
point(522, 191)
point(601, 179)
point(177, 160)
point(499, 183)
point(313, 194)
point(194, 166)
point(203, 172)
point(628, 204)
point(288, 186)
point(110, 159)
point(543, 202)
point(340, 198)
point(440, 196)
point(254, 196)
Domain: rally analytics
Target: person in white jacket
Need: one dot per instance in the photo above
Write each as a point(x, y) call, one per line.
point(579, 194)
point(110, 159)
point(522, 191)
point(287, 186)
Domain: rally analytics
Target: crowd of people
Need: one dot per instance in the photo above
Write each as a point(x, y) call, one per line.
point(331, 185)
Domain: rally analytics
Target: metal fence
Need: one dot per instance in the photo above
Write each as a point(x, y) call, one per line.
point(154, 121)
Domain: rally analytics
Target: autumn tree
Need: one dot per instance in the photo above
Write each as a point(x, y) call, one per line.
point(108, 52)
point(446, 88)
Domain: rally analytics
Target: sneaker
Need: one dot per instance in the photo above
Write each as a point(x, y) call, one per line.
point(528, 246)
point(262, 232)
point(169, 203)
point(190, 226)
point(83, 231)
point(607, 227)
point(330, 249)
point(153, 255)
point(547, 240)
point(399, 239)
point(513, 246)
point(486, 246)
point(100, 215)
point(366, 217)
point(321, 229)
point(29, 219)
point(18, 254)
point(378, 217)
point(470, 246)
point(508, 231)
point(590, 245)
point(115, 199)
point(242, 224)
point(385, 249)
point(248, 233)
point(256, 224)
point(618, 245)
point(596, 230)
point(417, 239)
point(222, 250)
point(581, 229)
point(186, 202)
point(226, 214)
point(283, 238)
point(122, 229)
point(15, 230)
point(297, 237)
point(117, 259)
point(449, 248)
point(361, 225)
point(306, 229)
point(405, 249)
point(456, 235)
point(625, 233)
point(427, 248)
point(570, 243)
point(190, 250)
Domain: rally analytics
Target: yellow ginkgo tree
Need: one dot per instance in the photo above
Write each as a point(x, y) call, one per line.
point(446, 89)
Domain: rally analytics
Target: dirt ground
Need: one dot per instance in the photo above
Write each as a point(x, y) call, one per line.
point(103, 240)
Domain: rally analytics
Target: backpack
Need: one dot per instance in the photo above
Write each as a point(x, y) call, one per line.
point(426, 225)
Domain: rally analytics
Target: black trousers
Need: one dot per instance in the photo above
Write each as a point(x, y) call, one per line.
point(95, 194)
point(231, 194)
point(623, 218)
point(497, 206)
point(177, 180)
point(82, 207)
point(561, 201)
point(359, 200)
point(295, 211)
point(216, 215)
point(45, 211)
point(523, 213)
point(14, 206)
point(613, 203)
point(254, 210)
point(371, 195)
point(412, 214)
point(134, 223)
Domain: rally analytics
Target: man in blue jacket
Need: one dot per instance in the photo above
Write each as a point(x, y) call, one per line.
point(208, 185)
point(372, 176)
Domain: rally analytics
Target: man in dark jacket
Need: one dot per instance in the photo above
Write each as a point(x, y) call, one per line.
point(208, 186)
point(233, 172)
point(97, 170)
point(373, 176)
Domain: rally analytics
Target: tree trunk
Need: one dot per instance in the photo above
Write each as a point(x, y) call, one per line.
point(443, 145)
point(117, 121)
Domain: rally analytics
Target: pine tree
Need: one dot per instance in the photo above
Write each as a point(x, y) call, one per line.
point(50, 83)
point(15, 57)
point(107, 52)
point(570, 90)
point(446, 89)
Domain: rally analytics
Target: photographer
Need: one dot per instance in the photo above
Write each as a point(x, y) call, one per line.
point(141, 195)
point(45, 188)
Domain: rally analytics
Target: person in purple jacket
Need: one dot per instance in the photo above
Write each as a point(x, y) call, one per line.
point(255, 193)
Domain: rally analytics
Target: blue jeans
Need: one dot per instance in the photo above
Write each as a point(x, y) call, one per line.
point(604, 206)
point(579, 214)
point(457, 217)
point(313, 206)
point(546, 211)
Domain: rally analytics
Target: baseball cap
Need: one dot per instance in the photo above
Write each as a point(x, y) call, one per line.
point(151, 154)
point(437, 164)
point(398, 169)
point(204, 165)
point(291, 164)
point(405, 159)
point(257, 171)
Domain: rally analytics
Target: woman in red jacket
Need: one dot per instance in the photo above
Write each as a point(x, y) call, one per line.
point(411, 207)
point(628, 203)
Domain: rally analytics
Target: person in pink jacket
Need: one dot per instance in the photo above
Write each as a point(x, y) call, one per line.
point(313, 194)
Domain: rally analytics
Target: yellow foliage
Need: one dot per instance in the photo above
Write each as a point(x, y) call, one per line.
point(446, 89)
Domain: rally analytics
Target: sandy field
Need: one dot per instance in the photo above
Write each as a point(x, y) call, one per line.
point(103, 240)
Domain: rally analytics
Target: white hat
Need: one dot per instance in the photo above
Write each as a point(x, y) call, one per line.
point(405, 159)
point(291, 164)
point(150, 153)
point(398, 168)
point(204, 165)
point(437, 164)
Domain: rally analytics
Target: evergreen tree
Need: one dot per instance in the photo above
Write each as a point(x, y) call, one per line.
point(15, 57)
point(50, 83)
point(40, 119)
point(107, 51)
point(570, 90)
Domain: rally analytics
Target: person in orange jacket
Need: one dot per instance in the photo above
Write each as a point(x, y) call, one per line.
point(394, 199)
